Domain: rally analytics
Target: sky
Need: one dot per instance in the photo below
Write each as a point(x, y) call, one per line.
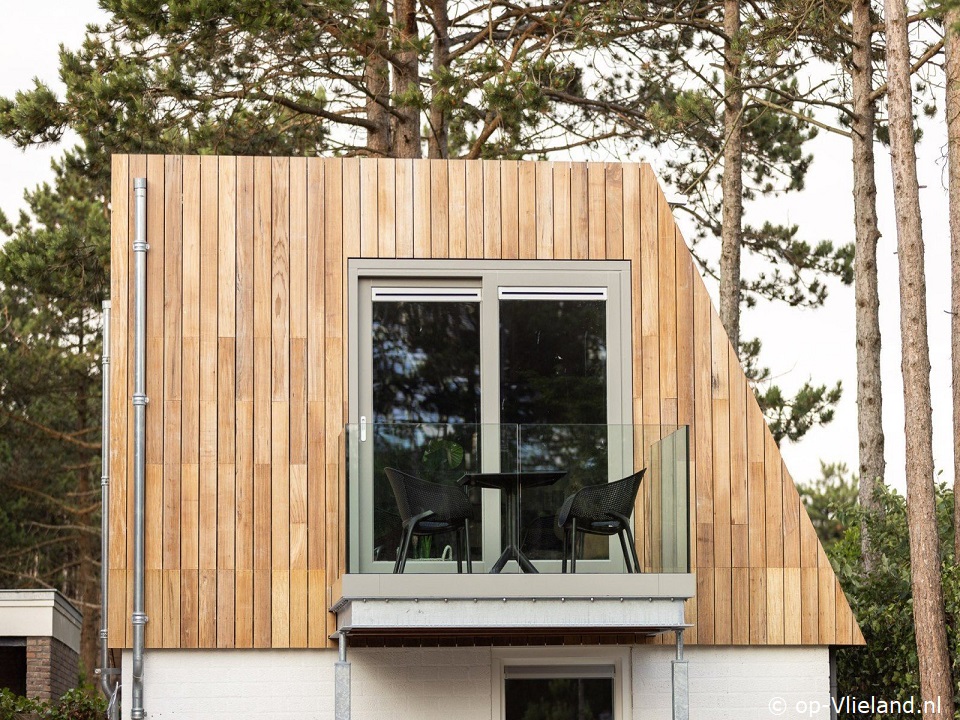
point(799, 345)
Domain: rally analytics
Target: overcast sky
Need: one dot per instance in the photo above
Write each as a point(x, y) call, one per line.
point(798, 344)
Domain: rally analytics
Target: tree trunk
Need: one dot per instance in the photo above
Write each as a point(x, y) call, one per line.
point(732, 183)
point(867, 296)
point(953, 173)
point(928, 610)
point(437, 146)
point(407, 81)
point(376, 74)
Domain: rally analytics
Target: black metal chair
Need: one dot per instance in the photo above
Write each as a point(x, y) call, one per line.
point(601, 510)
point(430, 509)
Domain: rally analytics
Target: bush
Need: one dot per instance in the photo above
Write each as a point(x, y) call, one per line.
point(887, 668)
point(74, 705)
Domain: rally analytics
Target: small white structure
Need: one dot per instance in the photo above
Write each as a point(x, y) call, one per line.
point(39, 643)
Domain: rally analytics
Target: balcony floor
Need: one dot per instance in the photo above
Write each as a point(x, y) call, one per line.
point(478, 605)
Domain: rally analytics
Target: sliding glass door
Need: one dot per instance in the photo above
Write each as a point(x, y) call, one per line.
point(496, 370)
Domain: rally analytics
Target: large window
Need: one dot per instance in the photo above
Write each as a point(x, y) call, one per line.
point(461, 355)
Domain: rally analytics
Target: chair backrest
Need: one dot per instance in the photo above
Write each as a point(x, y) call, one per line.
point(415, 496)
point(595, 503)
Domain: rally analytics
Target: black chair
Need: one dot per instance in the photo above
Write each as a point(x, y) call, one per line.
point(430, 509)
point(601, 510)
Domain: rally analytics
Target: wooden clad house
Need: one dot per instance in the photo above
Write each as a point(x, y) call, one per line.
point(280, 291)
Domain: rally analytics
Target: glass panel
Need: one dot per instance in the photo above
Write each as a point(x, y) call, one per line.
point(443, 453)
point(558, 698)
point(553, 381)
point(426, 403)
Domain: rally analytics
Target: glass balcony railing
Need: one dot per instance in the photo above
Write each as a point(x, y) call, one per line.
point(512, 483)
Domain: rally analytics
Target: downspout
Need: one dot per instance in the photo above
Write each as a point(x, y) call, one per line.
point(139, 619)
point(108, 675)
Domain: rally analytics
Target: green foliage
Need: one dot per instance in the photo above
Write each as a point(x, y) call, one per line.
point(76, 704)
point(881, 601)
point(441, 454)
point(788, 417)
point(829, 500)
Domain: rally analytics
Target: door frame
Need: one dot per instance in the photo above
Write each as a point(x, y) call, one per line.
point(615, 275)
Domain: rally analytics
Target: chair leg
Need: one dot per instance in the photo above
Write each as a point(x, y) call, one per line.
point(466, 533)
point(633, 549)
point(573, 547)
point(564, 562)
point(626, 553)
point(457, 538)
point(404, 549)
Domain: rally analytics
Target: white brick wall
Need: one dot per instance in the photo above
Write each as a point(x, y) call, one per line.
point(443, 683)
point(388, 683)
point(731, 683)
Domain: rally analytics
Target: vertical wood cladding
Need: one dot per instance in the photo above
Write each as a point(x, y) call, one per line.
point(247, 376)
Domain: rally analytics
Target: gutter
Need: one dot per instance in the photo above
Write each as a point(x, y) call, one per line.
point(109, 677)
point(139, 618)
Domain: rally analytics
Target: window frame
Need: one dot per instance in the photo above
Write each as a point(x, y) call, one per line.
point(619, 657)
point(487, 276)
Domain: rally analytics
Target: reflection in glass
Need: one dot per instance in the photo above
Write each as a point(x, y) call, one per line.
point(426, 403)
point(558, 698)
point(553, 381)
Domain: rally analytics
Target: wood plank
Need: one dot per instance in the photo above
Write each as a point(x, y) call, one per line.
point(316, 418)
point(280, 405)
point(579, 212)
point(172, 323)
point(262, 393)
point(775, 606)
point(649, 287)
point(614, 211)
point(120, 193)
point(492, 214)
point(457, 204)
point(405, 209)
point(474, 208)
point(773, 483)
point(758, 606)
point(386, 208)
point(705, 607)
point(561, 210)
point(226, 400)
point(631, 221)
point(791, 520)
point(843, 616)
point(809, 542)
point(244, 373)
point(189, 556)
point(369, 207)
point(209, 282)
point(723, 612)
point(722, 554)
point(703, 412)
point(741, 605)
point(190, 406)
point(667, 322)
point(298, 248)
point(809, 606)
point(336, 245)
point(827, 606)
point(792, 607)
point(756, 490)
point(422, 213)
point(509, 210)
point(597, 208)
point(544, 210)
point(298, 555)
point(527, 209)
point(154, 377)
point(439, 210)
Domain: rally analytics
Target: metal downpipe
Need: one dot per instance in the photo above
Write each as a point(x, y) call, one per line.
point(139, 619)
point(108, 676)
